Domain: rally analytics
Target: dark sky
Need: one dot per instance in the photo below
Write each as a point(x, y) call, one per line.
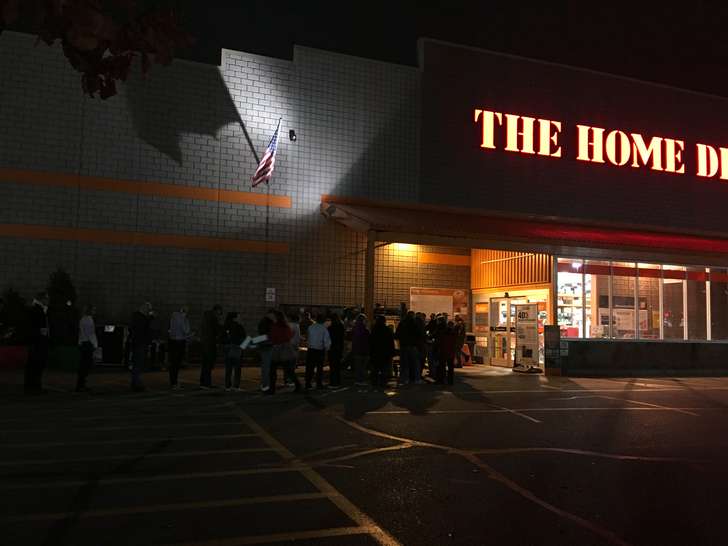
point(679, 43)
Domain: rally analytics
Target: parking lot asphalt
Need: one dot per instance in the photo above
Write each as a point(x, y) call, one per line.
point(498, 458)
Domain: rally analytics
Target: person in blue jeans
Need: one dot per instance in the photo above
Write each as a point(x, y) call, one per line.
point(265, 349)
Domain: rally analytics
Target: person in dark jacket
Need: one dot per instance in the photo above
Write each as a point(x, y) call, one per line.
point(38, 346)
point(210, 336)
point(336, 333)
point(459, 340)
point(141, 337)
point(381, 351)
point(421, 329)
point(360, 349)
point(234, 337)
point(408, 335)
point(446, 346)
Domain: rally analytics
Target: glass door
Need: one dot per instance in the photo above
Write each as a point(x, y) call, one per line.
point(503, 330)
point(500, 353)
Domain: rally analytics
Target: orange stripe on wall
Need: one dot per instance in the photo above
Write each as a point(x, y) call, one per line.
point(443, 259)
point(41, 178)
point(27, 231)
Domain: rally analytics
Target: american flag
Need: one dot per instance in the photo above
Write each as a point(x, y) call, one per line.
point(264, 172)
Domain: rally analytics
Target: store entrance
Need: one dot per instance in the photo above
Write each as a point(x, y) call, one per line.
point(503, 330)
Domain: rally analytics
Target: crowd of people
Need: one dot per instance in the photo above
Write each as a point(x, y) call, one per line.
point(423, 346)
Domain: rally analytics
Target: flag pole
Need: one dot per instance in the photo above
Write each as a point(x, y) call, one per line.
point(250, 142)
point(266, 258)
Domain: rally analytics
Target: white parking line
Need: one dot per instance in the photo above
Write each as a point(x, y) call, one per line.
point(282, 537)
point(133, 456)
point(127, 427)
point(154, 478)
point(536, 409)
point(344, 504)
point(516, 412)
point(168, 507)
point(647, 404)
point(132, 441)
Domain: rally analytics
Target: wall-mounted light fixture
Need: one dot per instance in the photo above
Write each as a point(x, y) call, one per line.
point(292, 135)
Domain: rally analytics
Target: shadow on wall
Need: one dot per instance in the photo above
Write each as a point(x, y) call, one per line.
point(388, 169)
point(175, 100)
point(327, 259)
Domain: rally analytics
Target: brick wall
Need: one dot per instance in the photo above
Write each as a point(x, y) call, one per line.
point(357, 125)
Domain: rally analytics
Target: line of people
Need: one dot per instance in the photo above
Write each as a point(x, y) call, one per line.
point(435, 345)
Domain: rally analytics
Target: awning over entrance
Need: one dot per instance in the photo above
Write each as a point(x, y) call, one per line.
point(425, 224)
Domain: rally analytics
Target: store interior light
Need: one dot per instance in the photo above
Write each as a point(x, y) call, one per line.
point(576, 265)
point(403, 247)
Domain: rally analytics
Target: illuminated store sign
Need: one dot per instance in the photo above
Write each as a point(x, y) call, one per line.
point(528, 135)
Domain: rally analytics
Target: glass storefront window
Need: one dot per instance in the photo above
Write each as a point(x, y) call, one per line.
point(719, 303)
point(648, 301)
point(696, 303)
point(570, 297)
point(627, 300)
point(623, 300)
point(596, 298)
point(673, 321)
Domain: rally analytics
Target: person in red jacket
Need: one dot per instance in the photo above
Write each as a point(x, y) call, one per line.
point(446, 346)
point(280, 337)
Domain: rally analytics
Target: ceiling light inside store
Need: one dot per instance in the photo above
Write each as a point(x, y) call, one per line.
point(404, 247)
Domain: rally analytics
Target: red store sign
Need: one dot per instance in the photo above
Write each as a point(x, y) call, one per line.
point(530, 135)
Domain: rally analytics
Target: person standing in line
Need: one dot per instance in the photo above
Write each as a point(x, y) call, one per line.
point(38, 346)
point(459, 340)
point(265, 349)
point(336, 352)
point(319, 342)
point(381, 343)
point(439, 326)
point(409, 356)
point(420, 328)
point(360, 349)
point(289, 371)
point(280, 336)
point(234, 337)
point(305, 322)
point(446, 346)
point(87, 344)
point(140, 336)
point(179, 333)
point(210, 336)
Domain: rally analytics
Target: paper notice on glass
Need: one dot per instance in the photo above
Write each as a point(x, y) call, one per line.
point(527, 334)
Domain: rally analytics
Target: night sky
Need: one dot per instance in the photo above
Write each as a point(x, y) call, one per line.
point(678, 43)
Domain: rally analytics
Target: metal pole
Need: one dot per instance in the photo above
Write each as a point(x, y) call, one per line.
point(369, 275)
